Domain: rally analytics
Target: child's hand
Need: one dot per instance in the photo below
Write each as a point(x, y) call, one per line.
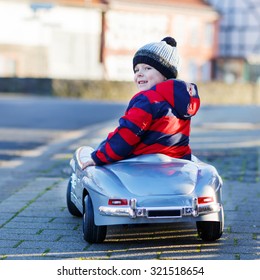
point(88, 163)
point(83, 157)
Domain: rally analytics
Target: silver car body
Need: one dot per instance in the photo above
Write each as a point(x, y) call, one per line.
point(149, 189)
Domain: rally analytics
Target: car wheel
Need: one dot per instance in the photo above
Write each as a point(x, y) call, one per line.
point(209, 231)
point(70, 205)
point(91, 232)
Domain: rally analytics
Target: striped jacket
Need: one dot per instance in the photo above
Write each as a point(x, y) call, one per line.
point(156, 121)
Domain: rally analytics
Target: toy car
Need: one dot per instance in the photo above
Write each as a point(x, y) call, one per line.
point(151, 188)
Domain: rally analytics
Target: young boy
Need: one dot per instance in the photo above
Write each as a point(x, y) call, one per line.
point(157, 119)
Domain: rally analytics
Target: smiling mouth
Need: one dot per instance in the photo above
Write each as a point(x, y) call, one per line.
point(142, 82)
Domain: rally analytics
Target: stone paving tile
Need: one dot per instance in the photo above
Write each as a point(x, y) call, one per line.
point(20, 253)
point(28, 225)
point(30, 237)
point(51, 246)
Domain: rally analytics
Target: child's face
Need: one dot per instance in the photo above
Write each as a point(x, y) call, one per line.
point(145, 76)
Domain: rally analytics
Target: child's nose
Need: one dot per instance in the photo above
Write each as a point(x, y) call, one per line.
point(140, 73)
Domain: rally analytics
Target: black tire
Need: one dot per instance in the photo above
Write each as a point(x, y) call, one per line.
point(209, 231)
point(74, 211)
point(91, 232)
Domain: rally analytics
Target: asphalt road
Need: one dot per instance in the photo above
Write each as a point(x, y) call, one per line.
point(54, 113)
point(27, 123)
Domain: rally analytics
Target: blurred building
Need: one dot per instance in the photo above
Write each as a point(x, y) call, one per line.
point(95, 39)
point(131, 24)
point(239, 40)
point(56, 39)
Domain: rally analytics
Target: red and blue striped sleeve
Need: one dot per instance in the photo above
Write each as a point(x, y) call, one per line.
point(121, 142)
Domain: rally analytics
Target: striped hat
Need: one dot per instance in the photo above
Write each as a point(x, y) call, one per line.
point(163, 56)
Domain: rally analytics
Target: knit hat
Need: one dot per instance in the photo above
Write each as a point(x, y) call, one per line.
point(163, 56)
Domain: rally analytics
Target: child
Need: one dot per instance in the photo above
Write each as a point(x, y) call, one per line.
point(157, 119)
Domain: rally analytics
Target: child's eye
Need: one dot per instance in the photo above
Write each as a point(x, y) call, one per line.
point(135, 70)
point(148, 68)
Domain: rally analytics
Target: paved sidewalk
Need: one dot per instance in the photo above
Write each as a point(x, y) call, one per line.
point(35, 223)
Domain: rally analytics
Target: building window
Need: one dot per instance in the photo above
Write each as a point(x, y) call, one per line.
point(206, 72)
point(193, 71)
point(209, 34)
point(194, 32)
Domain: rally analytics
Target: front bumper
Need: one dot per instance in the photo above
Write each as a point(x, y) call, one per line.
point(132, 211)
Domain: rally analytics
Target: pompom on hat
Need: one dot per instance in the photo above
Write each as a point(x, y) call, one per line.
point(163, 56)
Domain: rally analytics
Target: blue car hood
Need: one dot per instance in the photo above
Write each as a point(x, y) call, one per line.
point(143, 178)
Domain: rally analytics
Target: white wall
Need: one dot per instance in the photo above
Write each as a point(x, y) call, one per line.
point(69, 35)
point(127, 32)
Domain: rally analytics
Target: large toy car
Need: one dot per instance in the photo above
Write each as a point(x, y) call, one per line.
point(145, 189)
